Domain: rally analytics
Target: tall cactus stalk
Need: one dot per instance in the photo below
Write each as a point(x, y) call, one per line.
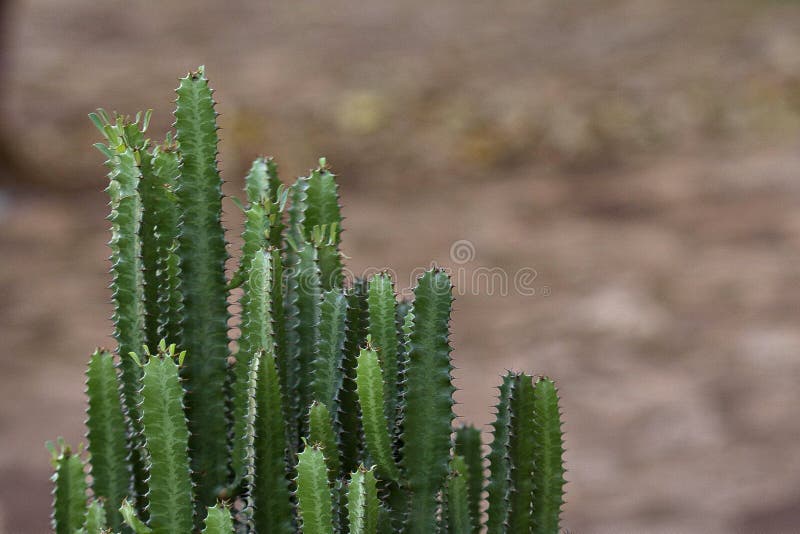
point(331, 412)
point(201, 246)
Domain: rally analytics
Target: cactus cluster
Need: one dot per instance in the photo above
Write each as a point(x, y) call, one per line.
point(332, 411)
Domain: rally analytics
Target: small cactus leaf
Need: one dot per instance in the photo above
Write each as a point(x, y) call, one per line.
point(322, 211)
point(111, 474)
point(357, 502)
point(314, 497)
point(330, 347)
point(428, 411)
point(218, 520)
point(95, 519)
point(369, 383)
point(201, 247)
point(167, 439)
point(383, 331)
point(468, 446)
point(497, 488)
point(457, 519)
point(256, 336)
point(69, 494)
point(521, 455)
point(548, 451)
point(303, 300)
point(348, 417)
point(320, 432)
point(129, 517)
point(269, 494)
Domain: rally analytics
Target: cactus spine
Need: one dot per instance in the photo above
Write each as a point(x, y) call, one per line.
point(331, 412)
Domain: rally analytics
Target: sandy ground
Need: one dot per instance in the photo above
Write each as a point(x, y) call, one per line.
point(640, 157)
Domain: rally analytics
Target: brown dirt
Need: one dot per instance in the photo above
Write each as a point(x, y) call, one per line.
point(641, 156)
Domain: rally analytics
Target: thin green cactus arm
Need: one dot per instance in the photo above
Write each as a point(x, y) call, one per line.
point(159, 229)
point(166, 168)
point(111, 474)
point(167, 439)
point(69, 494)
point(314, 497)
point(257, 182)
point(348, 418)
point(468, 446)
point(497, 487)
point(457, 519)
point(372, 507)
point(521, 455)
point(130, 519)
point(203, 255)
point(369, 384)
point(127, 272)
point(428, 400)
point(320, 432)
point(383, 330)
point(95, 519)
point(269, 494)
point(279, 320)
point(254, 238)
point(322, 210)
point(247, 479)
point(305, 298)
point(548, 451)
point(218, 520)
point(256, 336)
point(357, 502)
point(330, 346)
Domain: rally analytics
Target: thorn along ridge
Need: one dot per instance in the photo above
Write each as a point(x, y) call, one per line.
point(323, 405)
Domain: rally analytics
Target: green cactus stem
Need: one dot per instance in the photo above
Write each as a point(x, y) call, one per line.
point(167, 440)
point(428, 411)
point(548, 451)
point(468, 446)
point(69, 493)
point(105, 422)
point(314, 497)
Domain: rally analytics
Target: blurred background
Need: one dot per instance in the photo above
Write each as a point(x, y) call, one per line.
point(640, 157)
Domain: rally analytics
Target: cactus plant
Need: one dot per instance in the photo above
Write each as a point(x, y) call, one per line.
point(332, 411)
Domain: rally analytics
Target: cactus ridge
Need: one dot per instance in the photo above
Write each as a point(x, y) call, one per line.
point(332, 409)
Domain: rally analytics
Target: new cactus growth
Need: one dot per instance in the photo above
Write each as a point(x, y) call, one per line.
point(331, 411)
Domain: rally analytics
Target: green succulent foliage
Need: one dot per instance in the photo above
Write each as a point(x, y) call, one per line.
point(497, 487)
point(428, 413)
point(456, 517)
point(330, 347)
point(201, 247)
point(548, 452)
point(69, 494)
point(369, 383)
point(123, 149)
point(332, 410)
point(314, 497)
point(468, 447)
point(269, 492)
point(218, 521)
point(383, 331)
point(349, 426)
point(131, 520)
point(107, 439)
point(167, 440)
point(96, 522)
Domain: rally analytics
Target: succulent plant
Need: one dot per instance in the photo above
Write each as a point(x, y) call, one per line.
point(332, 411)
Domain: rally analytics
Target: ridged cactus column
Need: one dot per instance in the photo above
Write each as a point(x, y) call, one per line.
point(201, 246)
